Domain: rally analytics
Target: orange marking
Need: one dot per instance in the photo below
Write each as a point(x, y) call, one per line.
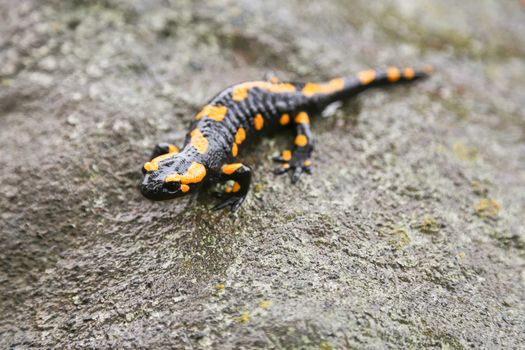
point(195, 174)
point(332, 86)
point(286, 155)
point(149, 166)
point(393, 74)
point(184, 188)
point(258, 121)
point(199, 141)
point(236, 187)
point(216, 113)
point(409, 73)
point(235, 150)
point(240, 136)
point(154, 163)
point(367, 76)
point(285, 166)
point(301, 140)
point(302, 118)
point(274, 80)
point(240, 92)
point(173, 149)
point(307, 163)
point(229, 169)
point(285, 119)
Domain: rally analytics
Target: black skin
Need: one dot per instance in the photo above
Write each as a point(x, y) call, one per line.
point(220, 136)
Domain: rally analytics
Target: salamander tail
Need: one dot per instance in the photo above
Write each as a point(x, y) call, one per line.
point(364, 80)
point(374, 78)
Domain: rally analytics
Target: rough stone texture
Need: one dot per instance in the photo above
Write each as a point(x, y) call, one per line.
point(409, 234)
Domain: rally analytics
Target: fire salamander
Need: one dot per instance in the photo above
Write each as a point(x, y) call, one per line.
point(242, 113)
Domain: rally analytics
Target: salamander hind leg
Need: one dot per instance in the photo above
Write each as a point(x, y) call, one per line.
point(234, 195)
point(297, 161)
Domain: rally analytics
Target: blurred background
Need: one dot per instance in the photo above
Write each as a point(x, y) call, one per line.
point(408, 234)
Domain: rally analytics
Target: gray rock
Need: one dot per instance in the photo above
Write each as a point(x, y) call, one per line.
point(409, 234)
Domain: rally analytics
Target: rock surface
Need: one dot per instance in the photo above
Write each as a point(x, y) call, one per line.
point(409, 234)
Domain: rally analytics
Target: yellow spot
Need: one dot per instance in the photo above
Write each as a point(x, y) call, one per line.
point(195, 174)
point(199, 141)
point(245, 317)
point(150, 166)
point(184, 188)
point(229, 169)
point(307, 163)
point(367, 76)
point(240, 136)
point(173, 178)
point(332, 86)
point(487, 208)
point(429, 224)
point(6, 82)
point(464, 152)
point(154, 163)
point(265, 304)
point(286, 155)
point(285, 166)
point(401, 238)
point(220, 286)
point(235, 187)
point(285, 119)
point(325, 346)
point(240, 92)
point(216, 113)
point(235, 150)
point(301, 140)
point(274, 80)
point(302, 118)
point(393, 74)
point(409, 73)
point(258, 121)
point(173, 149)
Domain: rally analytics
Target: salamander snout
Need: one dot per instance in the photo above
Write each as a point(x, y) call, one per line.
point(170, 177)
point(154, 187)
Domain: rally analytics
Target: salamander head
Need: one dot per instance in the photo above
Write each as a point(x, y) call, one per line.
point(170, 176)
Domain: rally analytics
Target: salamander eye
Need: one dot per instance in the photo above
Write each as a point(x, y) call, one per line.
point(172, 185)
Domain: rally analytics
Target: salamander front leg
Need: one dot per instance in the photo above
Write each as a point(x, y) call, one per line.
point(297, 161)
point(234, 195)
point(163, 148)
